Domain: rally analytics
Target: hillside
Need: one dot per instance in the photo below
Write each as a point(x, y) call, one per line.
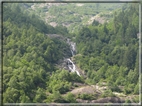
point(29, 55)
point(73, 15)
point(99, 63)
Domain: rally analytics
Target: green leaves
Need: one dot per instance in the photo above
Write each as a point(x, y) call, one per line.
point(105, 52)
point(70, 98)
point(107, 93)
point(55, 97)
point(11, 95)
point(40, 95)
point(29, 56)
point(59, 82)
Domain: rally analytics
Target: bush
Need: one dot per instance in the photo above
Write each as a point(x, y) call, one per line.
point(70, 98)
point(86, 96)
point(127, 101)
point(108, 93)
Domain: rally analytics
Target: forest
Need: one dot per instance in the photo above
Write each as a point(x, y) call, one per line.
point(107, 55)
point(72, 15)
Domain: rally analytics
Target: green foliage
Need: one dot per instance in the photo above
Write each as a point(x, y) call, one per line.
point(86, 96)
point(110, 51)
point(107, 93)
point(70, 98)
point(127, 101)
point(95, 23)
point(74, 15)
point(106, 52)
point(136, 89)
point(136, 99)
point(61, 81)
point(113, 87)
point(55, 97)
point(11, 99)
point(29, 56)
point(129, 89)
point(40, 95)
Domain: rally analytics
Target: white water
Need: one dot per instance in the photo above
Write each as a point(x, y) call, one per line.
point(73, 50)
point(73, 69)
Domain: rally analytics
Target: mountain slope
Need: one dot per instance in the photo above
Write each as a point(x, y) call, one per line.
point(29, 56)
point(107, 55)
point(109, 52)
point(73, 15)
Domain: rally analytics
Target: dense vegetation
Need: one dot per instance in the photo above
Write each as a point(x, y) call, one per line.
point(72, 15)
point(29, 58)
point(109, 52)
point(106, 53)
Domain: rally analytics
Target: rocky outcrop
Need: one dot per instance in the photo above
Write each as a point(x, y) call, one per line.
point(85, 89)
point(103, 100)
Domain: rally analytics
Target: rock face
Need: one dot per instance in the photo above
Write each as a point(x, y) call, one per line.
point(102, 100)
point(108, 100)
point(85, 89)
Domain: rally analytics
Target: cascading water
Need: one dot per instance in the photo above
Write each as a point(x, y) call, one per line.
point(71, 65)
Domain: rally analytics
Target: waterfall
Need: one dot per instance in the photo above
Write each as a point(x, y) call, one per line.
point(73, 51)
point(73, 69)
